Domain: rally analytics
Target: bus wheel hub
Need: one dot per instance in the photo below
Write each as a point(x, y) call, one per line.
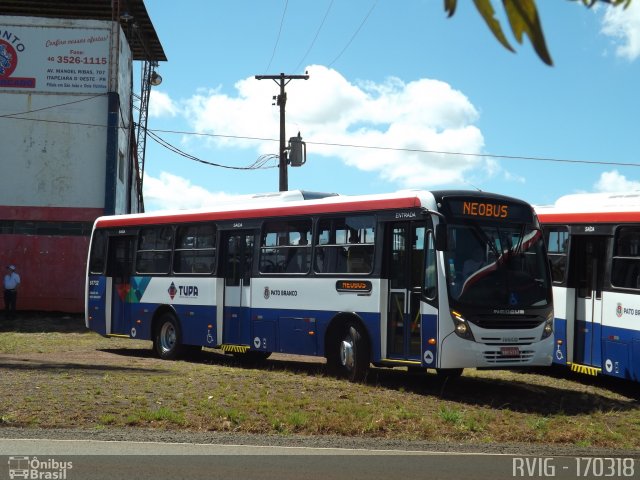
point(346, 354)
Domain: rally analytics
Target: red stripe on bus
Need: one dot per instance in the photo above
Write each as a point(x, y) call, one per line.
point(590, 217)
point(275, 211)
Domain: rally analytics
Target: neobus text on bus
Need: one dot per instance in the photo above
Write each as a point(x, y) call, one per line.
point(485, 209)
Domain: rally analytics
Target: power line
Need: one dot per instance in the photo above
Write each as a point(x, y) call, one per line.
point(313, 42)
point(43, 120)
point(258, 164)
point(286, 4)
point(346, 145)
point(417, 150)
point(355, 34)
point(9, 115)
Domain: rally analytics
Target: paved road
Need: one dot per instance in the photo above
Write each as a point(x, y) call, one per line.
point(98, 459)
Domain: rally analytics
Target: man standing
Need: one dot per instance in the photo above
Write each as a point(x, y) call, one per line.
point(11, 283)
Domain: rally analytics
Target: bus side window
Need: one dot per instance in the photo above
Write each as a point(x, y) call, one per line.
point(97, 260)
point(154, 250)
point(345, 245)
point(195, 250)
point(557, 240)
point(285, 247)
point(625, 271)
point(430, 276)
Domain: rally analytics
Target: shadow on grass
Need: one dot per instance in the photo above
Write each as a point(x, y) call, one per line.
point(513, 395)
point(626, 388)
point(25, 364)
point(42, 322)
point(130, 352)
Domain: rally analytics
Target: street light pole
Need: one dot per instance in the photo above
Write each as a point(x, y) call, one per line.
point(282, 80)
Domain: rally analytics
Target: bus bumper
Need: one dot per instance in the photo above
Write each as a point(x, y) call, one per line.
point(457, 352)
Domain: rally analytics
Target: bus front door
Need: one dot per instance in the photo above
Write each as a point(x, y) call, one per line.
point(237, 255)
point(119, 263)
point(589, 264)
point(404, 253)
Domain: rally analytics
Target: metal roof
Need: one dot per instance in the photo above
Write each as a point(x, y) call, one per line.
point(140, 33)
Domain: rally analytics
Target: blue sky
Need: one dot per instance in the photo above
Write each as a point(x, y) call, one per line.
point(396, 76)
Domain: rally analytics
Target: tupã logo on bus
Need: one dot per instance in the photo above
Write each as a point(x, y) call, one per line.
point(10, 45)
point(172, 290)
point(188, 291)
point(619, 310)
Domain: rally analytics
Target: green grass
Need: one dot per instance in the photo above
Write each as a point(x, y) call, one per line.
point(450, 415)
point(91, 382)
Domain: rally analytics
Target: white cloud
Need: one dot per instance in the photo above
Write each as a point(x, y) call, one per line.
point(328, 109)
point(170, 192)
point(161, 105)
point(613, 181)
point(623, 25)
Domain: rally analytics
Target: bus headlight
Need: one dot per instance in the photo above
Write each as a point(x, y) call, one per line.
point(548, 326)
point(461, 326)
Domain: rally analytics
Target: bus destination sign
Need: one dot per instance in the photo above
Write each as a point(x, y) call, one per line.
point(484, 209)
point(489, 209)
point(355, 286)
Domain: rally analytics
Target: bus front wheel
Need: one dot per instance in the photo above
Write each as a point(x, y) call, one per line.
point(353, 354)
point(167, 340)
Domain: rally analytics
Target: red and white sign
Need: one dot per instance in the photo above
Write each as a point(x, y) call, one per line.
point(51, 59)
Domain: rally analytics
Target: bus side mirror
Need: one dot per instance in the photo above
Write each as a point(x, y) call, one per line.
point(441, 237)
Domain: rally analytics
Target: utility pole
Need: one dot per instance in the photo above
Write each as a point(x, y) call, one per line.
point(281, 101)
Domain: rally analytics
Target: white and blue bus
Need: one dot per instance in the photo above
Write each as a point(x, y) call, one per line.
point(440, 280)
point(593, 242)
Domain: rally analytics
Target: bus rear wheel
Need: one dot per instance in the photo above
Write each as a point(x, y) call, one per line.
point(352, 359)
point(167, 339)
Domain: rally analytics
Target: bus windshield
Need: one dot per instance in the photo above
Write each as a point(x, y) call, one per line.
point(497, 266)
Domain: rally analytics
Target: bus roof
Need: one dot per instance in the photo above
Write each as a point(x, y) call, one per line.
point(592, 208)
point(273, 205)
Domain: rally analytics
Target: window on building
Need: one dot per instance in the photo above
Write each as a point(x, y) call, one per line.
point(195, 250)
point(27, 227)
point(345, 245)
point(286, 247)
point(121, 166)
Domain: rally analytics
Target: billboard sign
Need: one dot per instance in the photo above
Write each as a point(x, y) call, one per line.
point(53, 59)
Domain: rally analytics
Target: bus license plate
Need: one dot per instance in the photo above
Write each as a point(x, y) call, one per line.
point(510, 351)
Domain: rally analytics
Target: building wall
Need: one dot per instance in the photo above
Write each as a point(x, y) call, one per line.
point(54, 161)
point(65, 130)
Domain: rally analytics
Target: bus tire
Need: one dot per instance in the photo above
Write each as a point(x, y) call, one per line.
point(353, 353)
point(167, 338)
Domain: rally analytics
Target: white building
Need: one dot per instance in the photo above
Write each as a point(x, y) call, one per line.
point(69, 143)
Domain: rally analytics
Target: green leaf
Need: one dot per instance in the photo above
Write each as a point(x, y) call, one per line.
point(450, 7)
point(524, 20)
point(486, 10)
